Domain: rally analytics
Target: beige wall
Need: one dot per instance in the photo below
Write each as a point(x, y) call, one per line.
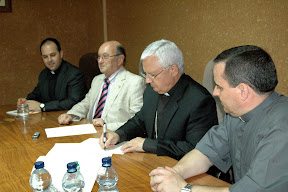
point(78, 25)
point(202, 29)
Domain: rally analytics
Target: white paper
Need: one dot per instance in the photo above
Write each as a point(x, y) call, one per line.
point(89, 155)
point(104, 152)
point(70, 130)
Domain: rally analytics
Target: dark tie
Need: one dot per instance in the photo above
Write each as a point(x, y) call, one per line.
point(102, 99)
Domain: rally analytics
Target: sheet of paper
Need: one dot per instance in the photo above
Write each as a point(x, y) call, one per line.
point(58, 167)
point(63, 153)
point(89, 155)
point(70, 130)
point(104, 152)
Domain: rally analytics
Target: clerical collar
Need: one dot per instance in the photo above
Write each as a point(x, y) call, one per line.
point(241, 119)
point(172, 90)
point(248, 116)
point(57, 70)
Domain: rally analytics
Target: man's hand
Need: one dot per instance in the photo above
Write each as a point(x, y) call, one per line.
point(98, 122)
point(166, 180)
point(65, 119)
point(33, 105)
point(111, 139)
point(134, 145)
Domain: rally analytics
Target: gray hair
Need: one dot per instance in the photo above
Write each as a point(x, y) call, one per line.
point(167, 52)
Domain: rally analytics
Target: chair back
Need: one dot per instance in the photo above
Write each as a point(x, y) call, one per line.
point(88, 64)
point(209, 84)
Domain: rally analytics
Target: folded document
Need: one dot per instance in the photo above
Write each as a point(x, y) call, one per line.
point(89, 155)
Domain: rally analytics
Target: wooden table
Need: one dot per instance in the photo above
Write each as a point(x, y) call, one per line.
point(18, 152)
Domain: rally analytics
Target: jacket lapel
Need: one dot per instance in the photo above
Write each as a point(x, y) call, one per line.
point(171, 107)
point(44, 88)
point(151, 113)
point(60, 81)
point(96, 89)
point(114, 91)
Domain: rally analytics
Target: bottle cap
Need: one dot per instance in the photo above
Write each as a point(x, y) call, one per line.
point(39, 164)
point(77, 164)
point(72, 167)
point(106, 162)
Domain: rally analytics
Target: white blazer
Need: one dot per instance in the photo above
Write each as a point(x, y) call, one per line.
point(125, 98)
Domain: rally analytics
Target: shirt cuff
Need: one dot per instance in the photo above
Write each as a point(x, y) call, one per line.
point(76, 118)
point(150, 145)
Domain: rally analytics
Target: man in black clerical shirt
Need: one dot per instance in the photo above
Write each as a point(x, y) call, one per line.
point(61, 85)
point(177, 111)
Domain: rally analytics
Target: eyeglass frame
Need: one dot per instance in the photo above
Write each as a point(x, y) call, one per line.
point(144, 75)
point(106, 57)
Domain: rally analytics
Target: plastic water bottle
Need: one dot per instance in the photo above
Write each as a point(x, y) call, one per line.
point(107, 176)
point(40, 179)
point(73, 179)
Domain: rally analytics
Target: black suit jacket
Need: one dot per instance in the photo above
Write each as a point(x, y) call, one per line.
point(189, 114)
point(70, 88)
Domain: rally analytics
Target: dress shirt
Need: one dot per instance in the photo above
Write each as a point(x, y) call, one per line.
point(111, 79)
point(254, 144)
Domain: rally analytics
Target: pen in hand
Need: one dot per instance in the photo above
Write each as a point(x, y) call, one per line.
point(104, 134)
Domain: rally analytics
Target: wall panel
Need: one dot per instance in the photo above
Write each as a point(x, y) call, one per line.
point(76, 24)
point(202, 29)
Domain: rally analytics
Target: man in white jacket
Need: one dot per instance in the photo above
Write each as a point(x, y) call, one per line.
point(125, 91)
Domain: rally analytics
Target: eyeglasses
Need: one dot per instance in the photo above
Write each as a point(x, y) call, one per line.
point(152, 77)
point(106, 57)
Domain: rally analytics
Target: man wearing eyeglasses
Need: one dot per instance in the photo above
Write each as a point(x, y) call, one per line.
point(177, 111)
point(115, 96)
point(252, 138)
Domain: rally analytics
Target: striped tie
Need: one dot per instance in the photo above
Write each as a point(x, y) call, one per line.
point(102, 99)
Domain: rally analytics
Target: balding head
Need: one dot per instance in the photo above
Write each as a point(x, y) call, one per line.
point(111, 56)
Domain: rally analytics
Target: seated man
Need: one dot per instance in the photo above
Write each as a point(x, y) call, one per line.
point(177, 111)
point(115, 96)
point(252, 138)
point(60, 85)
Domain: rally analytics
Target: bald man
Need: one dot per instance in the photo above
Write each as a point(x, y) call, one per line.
point(123, 91)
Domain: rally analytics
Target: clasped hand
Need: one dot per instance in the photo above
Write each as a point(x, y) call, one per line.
point(166, 180)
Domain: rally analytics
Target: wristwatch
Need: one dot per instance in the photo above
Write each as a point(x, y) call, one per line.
point(187, 188)
point(42, 105)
